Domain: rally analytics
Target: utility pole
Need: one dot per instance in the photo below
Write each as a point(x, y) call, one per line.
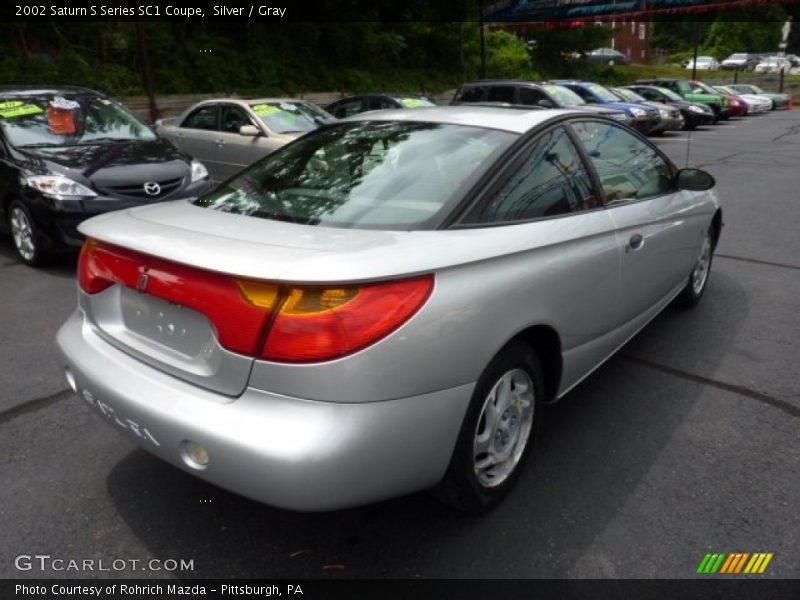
point(695, 42)
point(787, 27)
point(146, 76)
point(483, 40)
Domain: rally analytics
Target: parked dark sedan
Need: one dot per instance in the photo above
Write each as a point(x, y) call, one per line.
point(353, 105)
point(69, 153)
point(607, 56)
point(694, 113)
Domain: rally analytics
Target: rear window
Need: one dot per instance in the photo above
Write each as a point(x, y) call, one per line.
point(367, 174)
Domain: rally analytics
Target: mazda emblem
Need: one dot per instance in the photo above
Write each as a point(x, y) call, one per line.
point(151, 188)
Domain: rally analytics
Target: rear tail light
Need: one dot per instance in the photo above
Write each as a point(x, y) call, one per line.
point(260, 318)
point(322, 323)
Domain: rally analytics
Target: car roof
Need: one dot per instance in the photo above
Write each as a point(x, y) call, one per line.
point(384, 94)
point(511, 119)
point(34, 90)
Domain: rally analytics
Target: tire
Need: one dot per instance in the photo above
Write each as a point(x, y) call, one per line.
point(698, 278)
point(487, 458)
point(27, 239)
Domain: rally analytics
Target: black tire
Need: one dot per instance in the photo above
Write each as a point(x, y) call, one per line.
point(692, 293)
point(28, 241)
point(462, 487)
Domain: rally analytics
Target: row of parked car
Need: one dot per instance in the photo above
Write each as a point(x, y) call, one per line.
point(69, 153)
point(747, 61)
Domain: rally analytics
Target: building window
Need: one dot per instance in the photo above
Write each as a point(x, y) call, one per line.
point(633, 27)
point(642, 31)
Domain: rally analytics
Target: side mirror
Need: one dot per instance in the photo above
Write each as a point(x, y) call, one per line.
point(590, 100)
point(545, 103)
point(694, 180)
point(249, 130)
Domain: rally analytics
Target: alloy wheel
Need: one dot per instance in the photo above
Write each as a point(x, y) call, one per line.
point(702, 266)
point(504, 428)
point(22, 231)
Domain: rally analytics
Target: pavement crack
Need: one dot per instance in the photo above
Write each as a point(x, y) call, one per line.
point(793, 130)
point(33, 405)
point(757, 261)
point(782, 405)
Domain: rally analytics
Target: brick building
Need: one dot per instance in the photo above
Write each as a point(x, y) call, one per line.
point(632, 39)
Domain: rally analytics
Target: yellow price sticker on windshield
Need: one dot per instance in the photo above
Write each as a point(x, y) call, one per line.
point(414, 102)
point(265, 110)
point(16, 108)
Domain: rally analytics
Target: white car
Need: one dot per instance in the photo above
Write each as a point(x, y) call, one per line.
point(755, 103)
point(774, 64)
point(704, 63)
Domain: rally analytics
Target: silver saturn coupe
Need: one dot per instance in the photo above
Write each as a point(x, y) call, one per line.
point(385, 304)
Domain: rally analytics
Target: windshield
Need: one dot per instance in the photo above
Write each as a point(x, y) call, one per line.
point(564, 96)
point(289, 117)
point(415, 102)
point(629, 95)
point(670, 94)
point(704, 87)
point(603, 93)
point(68, 120)
point(737, 57)
point(365, 174)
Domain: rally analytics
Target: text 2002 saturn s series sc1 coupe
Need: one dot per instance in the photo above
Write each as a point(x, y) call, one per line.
point(385, 304)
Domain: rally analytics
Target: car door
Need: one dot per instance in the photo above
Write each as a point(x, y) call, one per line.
point(569, 278)
point(235, 151)
point(197, 135)
point(658, 228)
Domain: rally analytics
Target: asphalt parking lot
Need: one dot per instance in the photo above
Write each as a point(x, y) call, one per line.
point(684, 443)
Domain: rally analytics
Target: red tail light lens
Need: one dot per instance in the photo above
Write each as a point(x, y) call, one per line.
point(314, 323)
point(321, 323)
point(238, 319)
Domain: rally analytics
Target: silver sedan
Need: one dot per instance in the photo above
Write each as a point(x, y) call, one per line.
point(385, 304)
point(228, 134)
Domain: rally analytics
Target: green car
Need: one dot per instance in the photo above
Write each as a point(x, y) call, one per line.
point(691, 93)
point(778, 100)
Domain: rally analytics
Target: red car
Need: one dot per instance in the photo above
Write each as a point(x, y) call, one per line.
point(736, 106)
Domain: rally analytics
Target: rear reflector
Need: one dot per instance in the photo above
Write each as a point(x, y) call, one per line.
point(313, 323)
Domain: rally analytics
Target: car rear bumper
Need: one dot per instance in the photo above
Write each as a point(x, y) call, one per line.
point(284, 451)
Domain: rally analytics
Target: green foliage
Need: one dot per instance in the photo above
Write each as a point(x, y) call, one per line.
point(506, 55)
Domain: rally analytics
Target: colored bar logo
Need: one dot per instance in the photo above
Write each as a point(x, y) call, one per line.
point(737, 562)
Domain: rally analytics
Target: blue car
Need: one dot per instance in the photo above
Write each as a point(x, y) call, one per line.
point(644, 118)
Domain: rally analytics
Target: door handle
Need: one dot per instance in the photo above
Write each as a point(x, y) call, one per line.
point(636, 242)
point(220, 142)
